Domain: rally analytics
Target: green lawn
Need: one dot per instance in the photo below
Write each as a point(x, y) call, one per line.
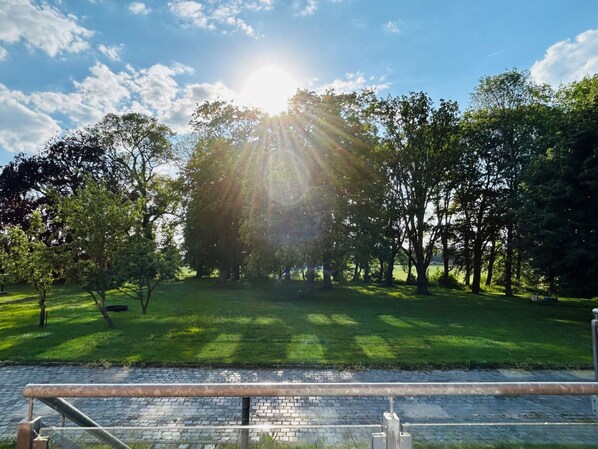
point(191, 322)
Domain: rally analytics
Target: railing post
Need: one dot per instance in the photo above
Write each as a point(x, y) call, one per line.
point(391, 426)
point(595, 354)
point(245, 422)
point(379, 440)
point(395, 439)
point(27, 431)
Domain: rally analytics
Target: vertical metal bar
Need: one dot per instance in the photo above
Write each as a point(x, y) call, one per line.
point(595, 341)
point(62, 420)
point(246, 404)
point(30, 411)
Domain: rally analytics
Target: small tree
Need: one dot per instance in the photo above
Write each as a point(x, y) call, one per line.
point(26, 257)
point(13, 247)
point(141, 267)
point(100, 223)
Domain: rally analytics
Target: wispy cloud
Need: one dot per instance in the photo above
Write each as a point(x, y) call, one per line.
point(307, 8)
point(224, 15)
point(495, 53)
point(392, 27)
point(42, 26)
point(139, 8)
point(111, 53)
point(355, 81)
point(568, 61)
point(3, 54)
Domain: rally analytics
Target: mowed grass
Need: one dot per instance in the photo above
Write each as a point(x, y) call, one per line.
point(191, 322)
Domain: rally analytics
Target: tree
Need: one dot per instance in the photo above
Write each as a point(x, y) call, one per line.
point(139, 146)
point(29, 259)
point(214, 180)
point(13, 249)
point(560, 193)
point(513, 106)
point(140, 267)
point(419, 153)
point(100, 222)
point(481, 192)
point(37, 182)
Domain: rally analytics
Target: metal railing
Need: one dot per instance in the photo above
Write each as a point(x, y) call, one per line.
point(390, 438)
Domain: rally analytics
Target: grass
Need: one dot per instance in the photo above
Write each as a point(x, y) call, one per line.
point(268, 324)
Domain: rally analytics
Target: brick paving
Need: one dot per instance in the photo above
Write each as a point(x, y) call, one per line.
point(178, 418)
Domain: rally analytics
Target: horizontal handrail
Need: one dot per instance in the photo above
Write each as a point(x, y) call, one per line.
point(280, 389)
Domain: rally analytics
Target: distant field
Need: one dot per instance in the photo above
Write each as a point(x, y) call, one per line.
point(270, 323)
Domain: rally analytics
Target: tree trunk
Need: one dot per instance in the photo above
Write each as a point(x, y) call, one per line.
point(477, 265)
point(310, 280)
point(222, 277)
point(445, 259)
point(409, 263)
point(366, 273)
point(491, 260)
point(422, 278)
point(356, 272)
point(106, 316)
point(237, 272)
point(42, 311)
point(466, 259)
point(381, 270)
point(518, 267)
point(143, 308)
point(287, 273)
point(388, 280)
point(509, 262)
point(327, 269)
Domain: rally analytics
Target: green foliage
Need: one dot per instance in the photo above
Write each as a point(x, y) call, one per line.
point(419, 153)
point(451, 282)
point(140, 267)
point(560, 208)
point(139, 145)
point(100, 223)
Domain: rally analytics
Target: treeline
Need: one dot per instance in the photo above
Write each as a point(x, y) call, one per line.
point(504, 192)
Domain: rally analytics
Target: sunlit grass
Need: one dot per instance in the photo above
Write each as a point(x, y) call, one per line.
point(272, 323)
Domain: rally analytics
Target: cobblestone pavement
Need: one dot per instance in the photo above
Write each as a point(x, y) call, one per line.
point(179, 417)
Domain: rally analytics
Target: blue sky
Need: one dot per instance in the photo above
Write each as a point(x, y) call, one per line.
point(64, 64)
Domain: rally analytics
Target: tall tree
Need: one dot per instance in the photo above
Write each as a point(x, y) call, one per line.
point(511, 102)
point(140, 146)
point(419, 145)
point(561, 193)
point(214, 179)
point(29, 182)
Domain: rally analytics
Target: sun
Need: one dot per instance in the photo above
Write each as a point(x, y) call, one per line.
point(269, 89)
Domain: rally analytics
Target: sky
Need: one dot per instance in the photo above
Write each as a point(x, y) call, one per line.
point(64, 64)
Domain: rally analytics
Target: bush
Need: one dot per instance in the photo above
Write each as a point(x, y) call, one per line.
point(451, 282)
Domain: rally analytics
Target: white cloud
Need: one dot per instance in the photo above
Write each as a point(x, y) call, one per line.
point(23, 129)
point(189, 11)
point(41, 26)
point(224, 15)
point(308, 8)
point(568, 61)
point(139, 8)
point(27, 121)
point(354, 82)
point(3, 54)
point(111, 53)
point(392, 27)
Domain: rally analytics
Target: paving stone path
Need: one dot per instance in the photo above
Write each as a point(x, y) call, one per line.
point(179, 418)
